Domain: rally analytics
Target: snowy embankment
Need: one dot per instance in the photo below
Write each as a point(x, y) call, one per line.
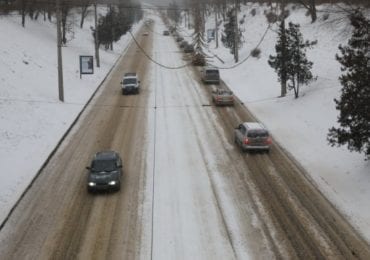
point(301, 125)
point(32, 118)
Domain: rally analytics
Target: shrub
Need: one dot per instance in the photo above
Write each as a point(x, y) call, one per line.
point(256, 53)
point(271, 17)
point(199, 60)
point(253, 12)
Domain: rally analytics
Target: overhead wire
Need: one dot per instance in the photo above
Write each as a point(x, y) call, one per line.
point(154, 61)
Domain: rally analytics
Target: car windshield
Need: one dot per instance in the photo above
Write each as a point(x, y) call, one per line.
point(129, 81)
point(103, 166)
point(212, 72)
point(258, 133)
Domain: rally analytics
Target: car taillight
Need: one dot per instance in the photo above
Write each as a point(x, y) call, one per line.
point(246, 141)
point(269, 140)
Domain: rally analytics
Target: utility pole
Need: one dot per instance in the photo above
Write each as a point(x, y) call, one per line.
point(96, 38)
point(216, 28)
point(189, 27)
point(236, 34)
point(59, 47)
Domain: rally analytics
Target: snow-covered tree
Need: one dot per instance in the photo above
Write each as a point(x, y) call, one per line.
point(299, 68)
point(280, 61)
point(199, 56)
point(354, 103)
point(290, 62)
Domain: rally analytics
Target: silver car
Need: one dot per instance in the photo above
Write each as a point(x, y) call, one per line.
point(252, 136)
point(222, 97)
point(130, 83)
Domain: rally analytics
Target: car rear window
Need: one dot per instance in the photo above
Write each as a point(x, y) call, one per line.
point(257, 133)
point(212, 72)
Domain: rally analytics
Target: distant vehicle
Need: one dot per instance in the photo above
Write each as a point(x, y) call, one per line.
point(130, 83)
point(183, 44)
point(166, 33)
point(105, 172)
point(210, 75)
point(252, 136)
point(145, 33)
point(179, 38)
point(223, 97)
point(189, 48)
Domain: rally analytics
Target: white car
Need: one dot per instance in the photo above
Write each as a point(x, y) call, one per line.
point(130, 84)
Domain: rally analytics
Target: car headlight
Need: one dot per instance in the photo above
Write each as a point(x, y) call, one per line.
point(92, 183)
point(112, 183)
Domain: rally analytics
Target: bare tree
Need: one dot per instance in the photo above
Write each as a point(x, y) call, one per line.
point(84, 11)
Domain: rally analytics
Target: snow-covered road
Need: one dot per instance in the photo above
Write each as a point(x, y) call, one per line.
point(194, 216)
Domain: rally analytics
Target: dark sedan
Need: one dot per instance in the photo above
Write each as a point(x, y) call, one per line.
point(105, 172)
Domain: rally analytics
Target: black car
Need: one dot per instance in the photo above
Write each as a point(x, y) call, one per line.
point(105, 172)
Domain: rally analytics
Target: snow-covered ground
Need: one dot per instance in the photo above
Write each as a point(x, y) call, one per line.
point(33, 120)
point(301, 125)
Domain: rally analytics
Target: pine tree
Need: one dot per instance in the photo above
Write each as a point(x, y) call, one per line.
point(199, 56)
point(290, 62)
point(280, 61)
point(299, 68)
point(228, 37)
point(354, 103)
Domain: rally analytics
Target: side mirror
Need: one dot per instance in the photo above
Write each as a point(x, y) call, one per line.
point(119, 166)
point(121, 82)
point(139, 81)
point(88, 168)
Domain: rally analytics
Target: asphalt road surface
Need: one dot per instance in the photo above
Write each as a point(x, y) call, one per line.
point(187, 192)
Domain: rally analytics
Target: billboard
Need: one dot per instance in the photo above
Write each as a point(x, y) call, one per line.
point(210, 35)
point(86, 65)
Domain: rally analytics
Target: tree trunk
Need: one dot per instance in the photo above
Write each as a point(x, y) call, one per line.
point(313, 11)
point(64, 26)
point(296, 88)
point(23, 13)
point(283, 65)
point(83, 15)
